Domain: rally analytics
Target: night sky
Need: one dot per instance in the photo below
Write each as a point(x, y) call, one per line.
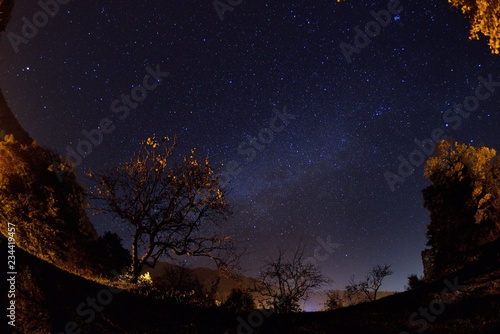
point(323, 173)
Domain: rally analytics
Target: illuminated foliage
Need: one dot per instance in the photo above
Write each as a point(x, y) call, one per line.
point(173, 205)
point(484, 18)
point(49, 215)
point(464, 203)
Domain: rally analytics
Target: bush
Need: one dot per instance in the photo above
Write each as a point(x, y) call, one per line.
point(335, 300)
point(414, 282)
point(239, 301)
point(181, 284)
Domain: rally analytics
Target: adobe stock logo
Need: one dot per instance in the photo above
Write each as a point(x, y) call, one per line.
point(454, 118)
point(120, 106)
point(221, 7)
point(372, 29)
point(29, 30)
point(326, 246)
point(436, 307)
point(93, 306)
point(251, 147)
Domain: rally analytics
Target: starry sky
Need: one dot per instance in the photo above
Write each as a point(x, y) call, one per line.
point(322, 176)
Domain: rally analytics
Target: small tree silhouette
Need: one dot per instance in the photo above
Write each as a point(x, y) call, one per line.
point(335, 300)
point(371, 284)
point(285, 282)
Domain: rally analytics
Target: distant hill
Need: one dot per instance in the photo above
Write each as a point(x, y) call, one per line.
point(206, 277)
point(317, 300)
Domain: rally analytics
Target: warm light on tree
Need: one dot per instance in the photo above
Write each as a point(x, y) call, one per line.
point(464, 204)
point(174, 205)
point(49, 215)
point(484, 18)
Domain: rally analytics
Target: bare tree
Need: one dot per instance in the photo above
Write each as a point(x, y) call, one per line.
point(370, 285)
point(357, 292)
point(174, 205)
point(283, 283)
point(335, 300)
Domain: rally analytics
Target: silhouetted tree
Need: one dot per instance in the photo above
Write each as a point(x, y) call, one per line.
point(110, 252)
point(335, 300)
point(285, 282)
point(173, 205)
point(356, 292)
point(371, 284)
point(464, 204)
point(239, 301)
point(414, 282)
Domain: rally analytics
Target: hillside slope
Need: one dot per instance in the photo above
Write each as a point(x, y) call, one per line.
point(48, 299)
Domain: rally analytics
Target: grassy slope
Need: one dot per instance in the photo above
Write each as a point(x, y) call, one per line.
point(47, 298)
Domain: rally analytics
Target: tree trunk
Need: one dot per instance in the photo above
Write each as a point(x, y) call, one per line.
point(140, 262)
point(135, 260)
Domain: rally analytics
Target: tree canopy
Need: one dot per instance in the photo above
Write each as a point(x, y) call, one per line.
point(464, 203)
point(173, 205)
point(484, 18)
